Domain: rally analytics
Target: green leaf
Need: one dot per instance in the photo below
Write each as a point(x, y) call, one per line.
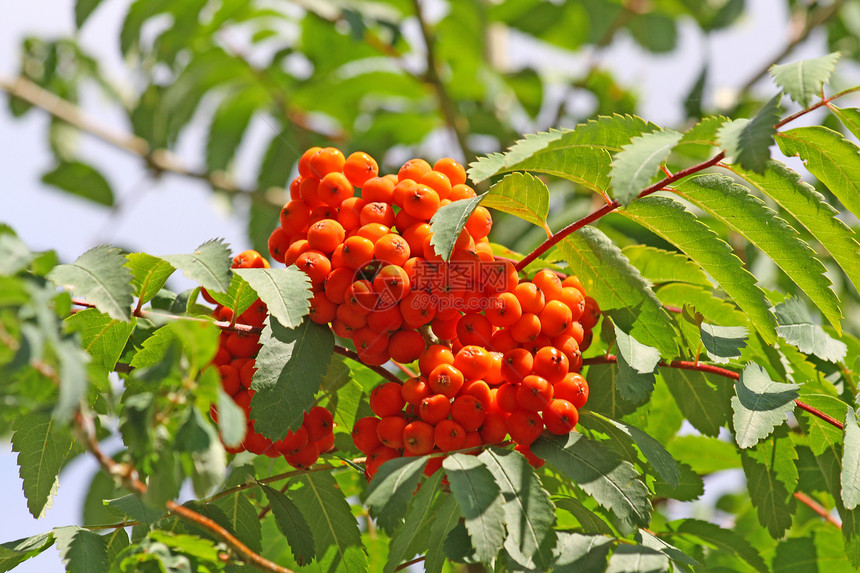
point(133, 508)
point(604, 396)
point(659, 266)
point(760, 405)
point(576, 552)
point(795, 326)
point(81, 550)
point(102, 336)
point(803, 80)
point(444, 520)
point(635, 165)
point(747, 142)
point(83, 9)
point(292, 524)
point(713, 536)
point(651, 541)
point(150, 274)
point(588, 520)
point(690, 485)
point(612, 482)
point(14, 552)
point(481, 503)
point(850, 477)
point(391, 488)
point(14, 254)
point(812, 210)
point(286, 292)
point(522, 195)
point(723, 343)
point(239, 297)
point(448, 222)
point(42, 447)
point(208, 265)
point(100, 277)
point(413, 537)
point(529, 513)
point(154, 348)
point(617, 286)
point(637, 559)
point(704, 455)
point(660, 459)
point(671, 220)
point(231, 420)
point(702, 397)
point(822, 435)
point(850, 118)
point(229, 123)
point(337, 540)
point(290, 367)
point(796, 555)
point(637, 363)
point(82, 180)
point(831, 158)
point(735, 206)
point(771, 479)
point(74, 380)
point(582, 155)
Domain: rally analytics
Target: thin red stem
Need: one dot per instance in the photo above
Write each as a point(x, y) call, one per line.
point(817, 508)
point(378, 369)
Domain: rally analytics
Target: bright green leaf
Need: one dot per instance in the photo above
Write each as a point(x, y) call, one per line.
point(849, 116)
point(100, 277)
point(659, 266)
point(522, 195)
point(413, 537)
point(702, 397)
point(102, 336)
point(133, 508)
point(150, 274)
point(285, 291)
point(208, 265)
point(747, 141)
point(83, 9)
point(803, 80)
point(635, 165)
point(14, 552)
point(704, 454)
point(238, 298)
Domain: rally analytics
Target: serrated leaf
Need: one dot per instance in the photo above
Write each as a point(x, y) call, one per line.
point(604, 396)
point(748, 215)
point(444, 521)
point(100, 277)
point(589, 521)
point(635, 165)
point(290, 367)
point(576, 552)
point(612, 482)
point(522, 195)
point(243, 519)
point(831, 158)
point(102, 336)
point(850, 477)
point(529, 513)
point(812, 210)
point(660, 459)
point(82, 180)
point(822, 435)
point(337, 540)
point(83, 9)
point(651, 541)
point(150, 274)
point(133, 508)
point(391, 488)
point(849, 116)
point(702, 397)
point(617, 286)
point(208, 265)
point(81, 550)
point(413, 537)
point(480, 501)
point(712, 535)
point(803, 80)
point(796, 555)
point(637, 363)
point(747, 142)
point(795, 327)
point(690, 485)
point(286, 292)
point(722, 343)
point(42, 446)
point(705, 455)
point(238, 298)
point(637, 559)
point(292, 524)
point(659, 266)
point(231, 420)
point(671, 220)
point(154, 348)
point(771, 479)
point(14, 552)
point(760, 405)
point(448, 222)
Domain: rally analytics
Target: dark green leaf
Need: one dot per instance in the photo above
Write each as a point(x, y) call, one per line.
point(14, 552)
point(290, 367)
point(588, 520)
point(760, 405)
point(521, 195)
point(82, 180)
point(391, 488)
point(653, 542)
point(81, 550)
point(796, 327)
point(100, 277)
point(448, 222)
point(42, 447)
point(822, 435)
point(635, 165)
point(771, 479)
point(796, 555)
point(702, 397)
point(637, 363)
point(292, 524)
point(83, 9)
point(712, 535)
point(803, 80)
point(243, 519)
point(690, 485)
point(444, 521)
point(661, 460)
point(102, 336)
point(722, 343)
point(228, 125)
point(747, 142)
point(576, 553)
point(413, 537)
point(604, 396)
point(480, 502)
point(150, 274)
point(285, 291)
point(612, 482)
point(208, 265)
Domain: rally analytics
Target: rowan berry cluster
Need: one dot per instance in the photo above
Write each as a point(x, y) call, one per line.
point(235, 362)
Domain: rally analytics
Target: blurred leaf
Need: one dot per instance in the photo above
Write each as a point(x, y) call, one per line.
point(528, 87)
point(243, 518)
point(133, 508)
point(285, 291)
point(804, 80)
point(81, 550)
point(82, 180)
point(722, 539)
point(747, 141)
point(228, 125)
point(14, 255)
point(850, 118)
point(391, 488)
point(231, 420)
point(760, 405)
point(83, 9)
point(100, 277)
point(656, 33)
point(705, 455)
point(448, 222)
point(635, 165)
point(150, 274)
point(280, 156)
point(636, 558)
point(14, 552)
point(795, 326)
point(521, 195)
point(208, 265)
point(702, 397)
point(292, 524)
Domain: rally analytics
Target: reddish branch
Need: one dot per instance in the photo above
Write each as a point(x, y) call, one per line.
point(711, 369)
point(378, 369)
point(817, 508)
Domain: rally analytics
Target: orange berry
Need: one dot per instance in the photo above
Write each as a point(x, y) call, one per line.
point(351, 319)
point(385, 399)
point(334, 189)
point(526, 329)
point(368, 341)
point(406, 345)
point(242, 345)
point(434, 408)
point(549, 284)
point(414, 390)
point(315, 264)
point(474, 329)
point(378, 457)
point(248, 260)
point(360, 297)
point(473, 361)
point(555, 318)
point(304, 161)
point(445, 379)
point(418, 438)
point(530, 296)
point(591, 314)
point(572, 388)
point(229, 379)
point(322, 310)
point(444, 328)
point(455, 172)
point(378, 190)
point(392, 249)
point(449, 435)
point(279, 242)
point(416, 310)
point(391, 283)
point(468, 411)
point(322, 212)
point(503, 309)
point(574, 282)
point(502, 341)
point(524, 426)
point(357, 252)
point(516, 365)
point(480, 223)
point(413, 169)
point(377, 213)
point(415, 235)
point(326, 235)
point(551, 363)
point(494, 429)
point(326, 160)
point(359, 167)
point(438, 182)
point(390, 431)
point(480, 390)
point(293, 442)
point(336, 283)
point(385, 321)
point(309, 192)
point(560, 417)
point(435, 355)
point(401, 190)
point(506, 397)
point(534, 393)
point(574, 300)
point(372, 231)
point(421, 202)
point(462, 191)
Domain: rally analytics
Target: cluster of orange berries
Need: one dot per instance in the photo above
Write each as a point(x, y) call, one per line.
point(510, 355)
point(235, 362)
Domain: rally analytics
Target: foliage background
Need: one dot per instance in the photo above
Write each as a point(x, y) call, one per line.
point(187, 214)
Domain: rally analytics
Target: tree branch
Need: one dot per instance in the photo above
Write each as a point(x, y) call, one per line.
point(817, 508)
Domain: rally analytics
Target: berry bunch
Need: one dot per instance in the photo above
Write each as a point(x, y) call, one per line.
point(235, 362)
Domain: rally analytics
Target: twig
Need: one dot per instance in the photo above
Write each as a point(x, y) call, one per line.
point(405, 369)
point(409, 563)
point(817, 508)
point(711, 369)
point(378, 369)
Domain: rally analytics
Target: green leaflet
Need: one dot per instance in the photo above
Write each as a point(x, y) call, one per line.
point(747, 141)
point(229, 123)
point(760, 405)
point(638, 161)
point(659, 266)
point(285, 291)
point(522, 195)
point(811, 209)
point(803, 80)
point(670, 219)
point(100, 277)
point(735, 206)
point(208, 265)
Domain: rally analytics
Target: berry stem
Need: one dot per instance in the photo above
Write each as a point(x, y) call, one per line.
point(389, 376)
point(711, 369)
